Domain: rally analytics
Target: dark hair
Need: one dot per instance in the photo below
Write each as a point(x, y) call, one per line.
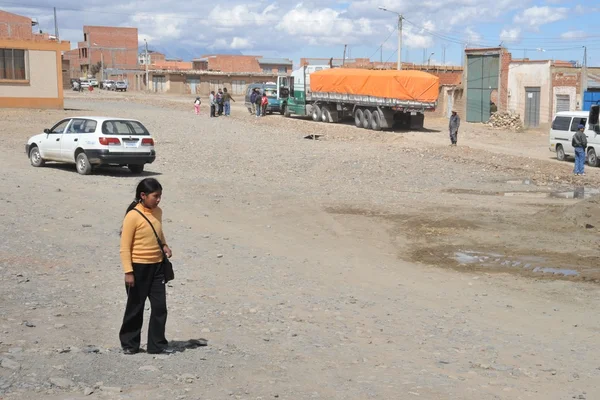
point(147, 185)
point(225, 89)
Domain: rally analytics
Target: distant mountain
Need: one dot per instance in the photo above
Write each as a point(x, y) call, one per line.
point(186, 53)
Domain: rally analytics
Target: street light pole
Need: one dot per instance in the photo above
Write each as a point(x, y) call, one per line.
point(146, 64)
point(400, 18)
point(429, 60)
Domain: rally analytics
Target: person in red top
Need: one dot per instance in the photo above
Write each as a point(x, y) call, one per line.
point(264, 102)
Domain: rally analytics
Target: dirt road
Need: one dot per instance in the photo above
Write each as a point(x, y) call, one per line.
point(356, 266)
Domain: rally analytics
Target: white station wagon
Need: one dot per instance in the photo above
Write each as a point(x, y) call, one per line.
point(92, 141)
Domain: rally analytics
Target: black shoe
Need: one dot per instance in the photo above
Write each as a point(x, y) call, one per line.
point(130, 352)
point(167, 351)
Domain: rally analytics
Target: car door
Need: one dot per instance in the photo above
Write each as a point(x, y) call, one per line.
point(50, 146)
point(73, 137)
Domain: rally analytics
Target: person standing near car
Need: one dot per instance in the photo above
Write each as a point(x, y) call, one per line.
point(264, 103)
point(257, 102)
point(213, 103)
point(141, 257)
point(253, 101)
point(453, 126)
point(579, 143)
point(227, 99)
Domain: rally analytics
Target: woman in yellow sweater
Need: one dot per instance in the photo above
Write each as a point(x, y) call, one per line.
point(142, 257)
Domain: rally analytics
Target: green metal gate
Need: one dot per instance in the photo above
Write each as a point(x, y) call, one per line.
point(482, 80)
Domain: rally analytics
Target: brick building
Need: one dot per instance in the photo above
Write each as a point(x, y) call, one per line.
point(153, 57)
point(113, 51)
point(233, 63)
point(30, 65)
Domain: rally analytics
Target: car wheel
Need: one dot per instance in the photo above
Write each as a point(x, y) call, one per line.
point(560, 153)
point(83, 164)
point(35, 157)
point(136, 168)
point(592, 158)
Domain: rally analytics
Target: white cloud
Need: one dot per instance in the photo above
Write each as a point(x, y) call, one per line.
point(323, 26)
point(536, 16)
point(573, 35)
point(239, 43)
point(472, 37)
point(163, 26)
point(241, 15)
point(510, 35)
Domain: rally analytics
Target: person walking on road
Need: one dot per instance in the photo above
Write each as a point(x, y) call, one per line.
point(257, 102)
point(227, 99)
point(264, 103)
point(579, 143)
point(453, 127)
point(213, 104)
point(141, 257)
point(197, 103)
point(253, 101)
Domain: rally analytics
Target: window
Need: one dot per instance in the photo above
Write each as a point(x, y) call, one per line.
point(12, 64)
point(561, 123)
point(82, 126)
point(124, 128)
point(267, 70)
point(282, 69)
point(60, 127)
point(576, 122)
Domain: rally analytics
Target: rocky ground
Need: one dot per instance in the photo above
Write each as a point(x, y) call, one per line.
point(358, 265)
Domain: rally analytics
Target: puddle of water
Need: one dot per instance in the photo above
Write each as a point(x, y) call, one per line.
point(493, 260)
point(577, 193)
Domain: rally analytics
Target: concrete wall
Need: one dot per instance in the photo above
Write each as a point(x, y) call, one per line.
point(530, 74)
point(43, 87)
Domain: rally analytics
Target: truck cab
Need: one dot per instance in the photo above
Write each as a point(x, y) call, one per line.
point(293, 91)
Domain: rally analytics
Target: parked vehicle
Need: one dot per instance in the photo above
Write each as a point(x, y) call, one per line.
point(88, 142)
point(271, 89)
point(375, 99)
point(108, 84)
point(120, 86)
point(85, 83)
point(93, 82)
point(564, 127)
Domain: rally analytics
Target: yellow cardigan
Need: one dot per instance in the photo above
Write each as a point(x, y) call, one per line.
point(138, 243)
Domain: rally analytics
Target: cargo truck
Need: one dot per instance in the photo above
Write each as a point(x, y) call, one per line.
point(374, 99)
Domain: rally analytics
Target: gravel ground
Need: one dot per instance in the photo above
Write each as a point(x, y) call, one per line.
point(360, 265)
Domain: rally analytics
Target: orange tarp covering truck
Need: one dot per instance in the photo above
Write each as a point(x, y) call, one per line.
point(401, 85)
point(374, 99)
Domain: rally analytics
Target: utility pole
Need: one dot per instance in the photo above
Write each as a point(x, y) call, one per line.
point(344, 58)
point(146, 64)
point(583, 78)
point(381, 55)
point(101, 65)
point(400, 18)
point(56, 26)
point(399, 42)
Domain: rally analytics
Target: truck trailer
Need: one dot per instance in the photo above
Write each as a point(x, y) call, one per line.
point(375, 99)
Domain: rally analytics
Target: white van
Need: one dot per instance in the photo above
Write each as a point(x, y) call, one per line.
point(564, 127)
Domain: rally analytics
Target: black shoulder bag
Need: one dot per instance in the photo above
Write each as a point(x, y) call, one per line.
point(166, 263)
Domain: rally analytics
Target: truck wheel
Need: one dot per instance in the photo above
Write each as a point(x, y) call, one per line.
point(325, 115)
point(367, 119)
point(376, 120)
point(359, 117)
point(316, 113)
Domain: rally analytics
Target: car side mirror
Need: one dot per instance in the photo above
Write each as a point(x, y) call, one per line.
point(46, 130)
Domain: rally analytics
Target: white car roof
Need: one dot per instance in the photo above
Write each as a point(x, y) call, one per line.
point(577, 114)
point(102, 119)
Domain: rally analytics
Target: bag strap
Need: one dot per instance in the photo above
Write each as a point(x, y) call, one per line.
point(153, 230)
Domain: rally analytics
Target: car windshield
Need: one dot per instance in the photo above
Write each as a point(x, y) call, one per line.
point(121, 83)
point(123, 127)
point(271, 91)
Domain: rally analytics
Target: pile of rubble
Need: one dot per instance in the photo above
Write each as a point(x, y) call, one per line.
point(506, 120)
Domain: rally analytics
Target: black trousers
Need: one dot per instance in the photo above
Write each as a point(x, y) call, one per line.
point(149, 283)
point(212, 110)
point(220, 111)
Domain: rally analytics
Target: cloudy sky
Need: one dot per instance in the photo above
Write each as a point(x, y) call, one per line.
point(538, 29)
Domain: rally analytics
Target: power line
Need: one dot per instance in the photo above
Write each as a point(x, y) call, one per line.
point(388, 38)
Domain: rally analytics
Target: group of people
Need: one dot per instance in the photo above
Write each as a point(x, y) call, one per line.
point(220, 103)
point(259, 102)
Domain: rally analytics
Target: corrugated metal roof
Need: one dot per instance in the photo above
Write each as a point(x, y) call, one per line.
point(278, 61)
point(593, 81)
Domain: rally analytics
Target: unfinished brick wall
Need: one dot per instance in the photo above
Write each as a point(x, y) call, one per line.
point(233, 63)
point(505, 60)
point(15, 26)
point(117, 46)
